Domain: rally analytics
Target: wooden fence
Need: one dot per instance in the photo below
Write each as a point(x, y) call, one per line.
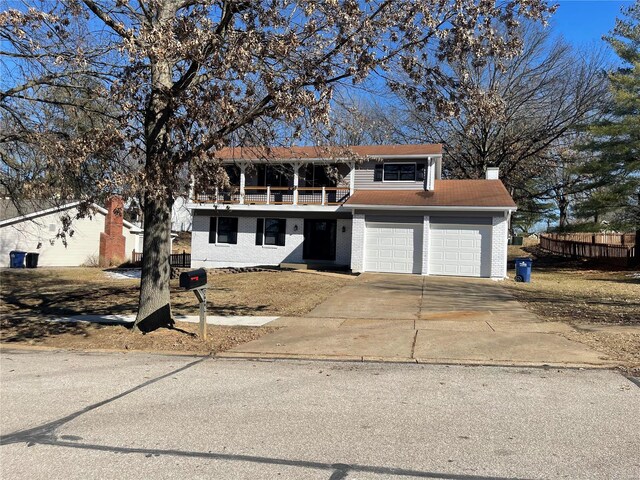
point(176, 260)
point(602, 238)
point(619, 254)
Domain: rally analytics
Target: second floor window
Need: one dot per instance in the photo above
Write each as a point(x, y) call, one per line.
point(394, 172)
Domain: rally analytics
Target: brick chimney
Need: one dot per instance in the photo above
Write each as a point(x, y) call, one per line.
point(112, 241)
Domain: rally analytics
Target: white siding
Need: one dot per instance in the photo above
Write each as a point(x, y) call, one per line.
point(364, 174)
point(134, 242)
point(83, 245)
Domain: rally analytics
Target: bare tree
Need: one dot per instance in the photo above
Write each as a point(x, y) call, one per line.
point(562, 180)
point(185, 75)
point(362, 120)
point(513, 112)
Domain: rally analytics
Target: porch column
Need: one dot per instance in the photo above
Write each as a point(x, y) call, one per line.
point(296, 179)
point(243, 168)
point(352, 177)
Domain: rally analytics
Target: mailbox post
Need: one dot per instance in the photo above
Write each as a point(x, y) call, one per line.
point(196, 281)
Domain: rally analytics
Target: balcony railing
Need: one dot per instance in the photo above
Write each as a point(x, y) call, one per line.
point(277, 196)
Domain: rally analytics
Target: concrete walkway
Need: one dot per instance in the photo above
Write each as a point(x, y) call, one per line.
point(234, 320)
point(408, 318)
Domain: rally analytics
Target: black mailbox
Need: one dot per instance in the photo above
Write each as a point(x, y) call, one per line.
point(193, 279)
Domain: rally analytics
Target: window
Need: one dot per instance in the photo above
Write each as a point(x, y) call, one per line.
point(223, 230)
point(275, 176)
point(271, 231)
point(399, 172)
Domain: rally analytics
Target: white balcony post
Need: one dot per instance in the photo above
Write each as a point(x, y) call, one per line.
point(268, 195)
point(323, 195)
point(216, 193)
point(243, 181)
point(352, 178)
point(296, 178)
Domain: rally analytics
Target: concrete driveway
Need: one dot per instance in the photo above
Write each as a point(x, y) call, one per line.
point(390, 296)
point(411, 318)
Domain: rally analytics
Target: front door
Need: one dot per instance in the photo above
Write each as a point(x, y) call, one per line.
point(319, 240)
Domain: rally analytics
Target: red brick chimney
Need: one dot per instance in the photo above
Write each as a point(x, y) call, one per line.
point(112, 241)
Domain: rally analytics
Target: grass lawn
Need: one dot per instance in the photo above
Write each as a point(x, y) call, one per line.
point(29, 295)
point(570, 291)
point(602, 303)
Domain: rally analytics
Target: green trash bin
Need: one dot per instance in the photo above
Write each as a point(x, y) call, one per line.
point(517, 241)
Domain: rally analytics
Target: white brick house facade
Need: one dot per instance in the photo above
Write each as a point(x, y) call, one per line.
point(357, 243)
point(391, 213)
point(245, 253)
point(426, 230)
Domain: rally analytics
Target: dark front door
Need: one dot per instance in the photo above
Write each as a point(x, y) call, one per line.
point(319, 240)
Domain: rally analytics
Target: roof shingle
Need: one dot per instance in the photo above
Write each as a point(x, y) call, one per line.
point(447, 193)
point(290, 153)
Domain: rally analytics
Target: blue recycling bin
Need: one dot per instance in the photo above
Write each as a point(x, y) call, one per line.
point(523, 269)
point(16, 259)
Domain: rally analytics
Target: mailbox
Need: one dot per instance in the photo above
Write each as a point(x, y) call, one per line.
point(193, 279)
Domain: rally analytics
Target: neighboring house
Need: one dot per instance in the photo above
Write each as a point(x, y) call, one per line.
point(389, 212)
point(105, 238)
point(180, 216)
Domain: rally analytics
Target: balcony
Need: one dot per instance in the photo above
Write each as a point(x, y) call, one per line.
point(251, 195)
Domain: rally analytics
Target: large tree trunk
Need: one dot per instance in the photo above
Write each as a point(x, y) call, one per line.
point(154, 309)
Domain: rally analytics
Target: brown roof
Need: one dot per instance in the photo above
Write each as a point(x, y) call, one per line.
point(284, 153)
point(447, 193)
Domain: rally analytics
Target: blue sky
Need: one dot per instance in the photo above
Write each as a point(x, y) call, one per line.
point(584, 22)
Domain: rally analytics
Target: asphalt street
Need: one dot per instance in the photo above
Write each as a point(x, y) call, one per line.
point(110, 415)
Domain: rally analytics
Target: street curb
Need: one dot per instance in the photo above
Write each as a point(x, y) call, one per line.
point(329, 358)
point(419, 361)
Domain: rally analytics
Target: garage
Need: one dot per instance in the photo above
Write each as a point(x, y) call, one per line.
point(460, 250)
point(393, 247)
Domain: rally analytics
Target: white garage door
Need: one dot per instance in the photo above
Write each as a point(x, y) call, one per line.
point(393, 247)
point(460, 250)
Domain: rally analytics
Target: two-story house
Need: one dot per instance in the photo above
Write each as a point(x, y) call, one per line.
point(376, 209)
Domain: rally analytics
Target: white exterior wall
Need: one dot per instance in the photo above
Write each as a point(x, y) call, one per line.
point(343, 241)
point(357, 243)
point(246, 253)
point(134, 242)
point(499, 247)
point(83, 247)
point(350, 245)
point(426, 239)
